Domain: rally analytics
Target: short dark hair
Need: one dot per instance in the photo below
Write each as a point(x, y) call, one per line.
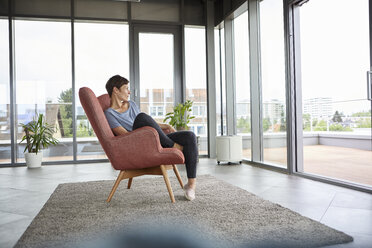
point(115, 81)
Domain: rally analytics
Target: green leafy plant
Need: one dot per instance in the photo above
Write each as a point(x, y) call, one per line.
point(180, 116)
point(38, 134)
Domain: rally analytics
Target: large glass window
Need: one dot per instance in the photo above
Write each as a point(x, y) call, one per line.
point(335, 56)
point(43, 81)
point(5, 143)
point(273, 115)
point(196, 82)
point(101, 51)
point(242, 82)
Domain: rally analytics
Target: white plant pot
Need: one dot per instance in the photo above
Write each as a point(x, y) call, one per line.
point(33, 160)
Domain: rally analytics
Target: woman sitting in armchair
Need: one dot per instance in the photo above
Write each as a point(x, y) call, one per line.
point(124, 116)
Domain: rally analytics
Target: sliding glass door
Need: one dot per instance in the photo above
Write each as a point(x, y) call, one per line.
point(156, 69)
point(156, 75)
point(335, 103)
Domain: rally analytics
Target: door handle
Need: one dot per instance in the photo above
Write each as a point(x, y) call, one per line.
point(369, 86)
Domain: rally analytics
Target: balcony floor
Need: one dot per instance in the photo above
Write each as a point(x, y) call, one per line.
point(353, 165)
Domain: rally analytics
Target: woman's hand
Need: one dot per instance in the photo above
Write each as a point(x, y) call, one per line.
point(170, 128)
point(166, 126)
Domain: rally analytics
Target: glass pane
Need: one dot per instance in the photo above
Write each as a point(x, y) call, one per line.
point(242, 82)
point(101, 9)
point(218, 79)
point(156, 73)
point(336, 112)
point(160, 10)
point(43, 7)
point(273, 83)
point(223, 82)
point(43, 81)
point(196, 83)
point(98, 56)
point(5, 143)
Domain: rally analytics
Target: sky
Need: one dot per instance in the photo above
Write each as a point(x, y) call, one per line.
point(335, 52)
point(334, 55)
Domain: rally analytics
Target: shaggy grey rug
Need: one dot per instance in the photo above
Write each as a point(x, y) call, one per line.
point(77, 215)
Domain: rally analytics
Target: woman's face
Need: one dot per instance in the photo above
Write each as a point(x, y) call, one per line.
point(124, 92)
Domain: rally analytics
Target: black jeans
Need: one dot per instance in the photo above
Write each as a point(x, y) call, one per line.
point(187, 139)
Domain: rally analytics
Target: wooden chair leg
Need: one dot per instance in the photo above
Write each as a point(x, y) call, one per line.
point(177, 175)
point(130, 182)
point(166, 179)
point(120, 177)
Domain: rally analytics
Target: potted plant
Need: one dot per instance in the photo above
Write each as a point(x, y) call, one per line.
point(180, 116)
point(38, 136)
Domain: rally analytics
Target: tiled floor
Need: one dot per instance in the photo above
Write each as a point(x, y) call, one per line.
point(23, 192)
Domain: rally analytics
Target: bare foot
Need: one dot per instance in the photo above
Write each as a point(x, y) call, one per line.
point(178, 146)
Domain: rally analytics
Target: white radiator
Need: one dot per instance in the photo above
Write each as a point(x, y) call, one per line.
point(229, 149)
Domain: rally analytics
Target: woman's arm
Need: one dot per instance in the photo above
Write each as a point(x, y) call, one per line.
point(119, 130)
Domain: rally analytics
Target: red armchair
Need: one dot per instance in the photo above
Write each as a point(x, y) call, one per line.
point(136, 153)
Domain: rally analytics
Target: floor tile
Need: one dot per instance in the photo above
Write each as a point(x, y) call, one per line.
point(360, 241)
point(6, 193)
point(11, 232)
point(29, 203)
point(358, 200)
point(34, 184)
point(293, 195)
point(9, 217)
point(349, 220)
point(312, 211)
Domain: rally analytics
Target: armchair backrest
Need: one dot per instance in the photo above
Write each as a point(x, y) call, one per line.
point(94, 108)
point(104, 100)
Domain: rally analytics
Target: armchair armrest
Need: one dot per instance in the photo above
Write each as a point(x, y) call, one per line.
point(140, 148)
